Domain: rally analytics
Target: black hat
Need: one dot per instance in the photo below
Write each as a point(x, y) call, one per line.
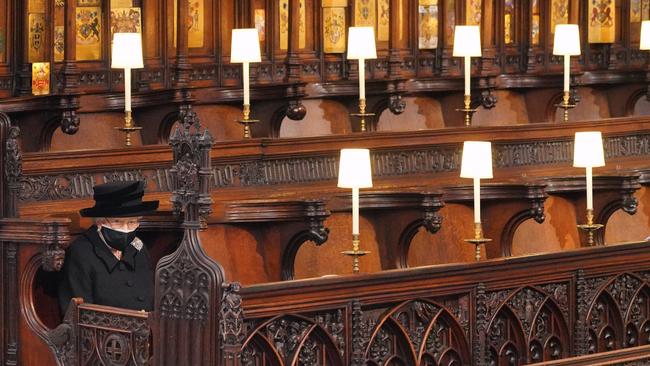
point(119, 199)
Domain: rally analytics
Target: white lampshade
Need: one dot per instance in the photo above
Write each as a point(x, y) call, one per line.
point(477, 160)
point(588, 150)
point(467, 41)
point(245, 46)
point(567, 40)
point(361, 43)
point(354, 169)
point(645, 35)
point(127, 51)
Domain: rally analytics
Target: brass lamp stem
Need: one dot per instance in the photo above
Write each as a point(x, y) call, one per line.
point(590, 227)
point(128, 128)
point(355, 253)
point(362, 115)
point(467, 109)
point(246, 121)
point(566, 105)
point(478, 240)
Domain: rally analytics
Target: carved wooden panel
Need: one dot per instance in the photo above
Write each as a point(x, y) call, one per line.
point(112, 338)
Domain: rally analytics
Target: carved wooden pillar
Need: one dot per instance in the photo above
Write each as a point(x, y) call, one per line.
point(11, 169)
point(479, 349)
point(70, 72)
point(188, 282)
point(394, 59)
point(357, 356)
point(23, 71)
point(581, 332)
point(232, 330)
point(293, 59)
point(183, 66)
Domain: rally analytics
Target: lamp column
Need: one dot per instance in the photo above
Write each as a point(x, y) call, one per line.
point(355, 173)
point(361, 46)
point(244, 49)
point(566, 43)
point(588, 153)
point(127, 54)
point(467, 44)
point(477, 164)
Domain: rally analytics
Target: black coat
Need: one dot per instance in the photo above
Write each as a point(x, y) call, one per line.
point(92, 272)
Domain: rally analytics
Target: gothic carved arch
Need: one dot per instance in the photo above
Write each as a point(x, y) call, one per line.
point(511, 226)
point(633, 99)
point(317, 234)
point(59, 339)
point(276, 121)
point(531, 319)
point(628, 203)
point(618, 314)
point(418, 332)
point(47, 133)
point(551, 106)
point(165, 127)
point(27, 303)
point(294, 340)
point(505, 338)
point(431, 224)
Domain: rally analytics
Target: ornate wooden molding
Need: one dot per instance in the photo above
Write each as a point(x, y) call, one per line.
point(308, 168)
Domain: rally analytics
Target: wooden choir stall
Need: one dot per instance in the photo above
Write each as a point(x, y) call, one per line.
point(254, 244)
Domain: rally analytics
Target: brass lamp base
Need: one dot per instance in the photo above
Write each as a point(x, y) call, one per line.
point(355, 253)
point(467, 110)
point(362, 114)
point(566, 106)
point(247, 121)
point(590, 227)
point(478, 240)
point(128, 128)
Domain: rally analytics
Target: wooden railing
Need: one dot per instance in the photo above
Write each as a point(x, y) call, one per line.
point(591, 303)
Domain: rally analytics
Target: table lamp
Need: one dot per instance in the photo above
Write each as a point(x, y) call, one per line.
point(566, 43)
point(245, 48)
point(361, 46)
point(588, 153)
point(127, 54)
point(477, 164)
point(467, 44)
point(355, 173)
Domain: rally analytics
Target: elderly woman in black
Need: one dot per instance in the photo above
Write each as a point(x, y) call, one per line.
point(108, 264)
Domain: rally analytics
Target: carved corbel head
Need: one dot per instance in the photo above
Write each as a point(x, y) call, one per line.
point(430, 218)
point(70, 122)
point(396, 104)
point(296, 111)
point(629, 203)
point(53, 258)
point(487, 99)
point(317, 214)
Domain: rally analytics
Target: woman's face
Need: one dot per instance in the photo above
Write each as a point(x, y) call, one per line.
point(124, 224)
